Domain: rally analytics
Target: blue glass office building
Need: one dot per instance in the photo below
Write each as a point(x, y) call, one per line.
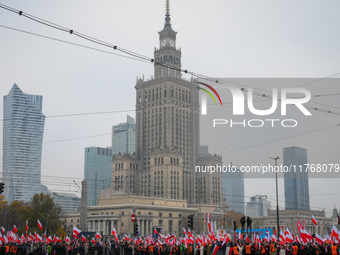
point(296, 184)
point(97, 172)
point(23, 129)
point(124, 137)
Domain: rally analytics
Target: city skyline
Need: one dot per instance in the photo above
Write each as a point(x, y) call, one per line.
point(248, 46)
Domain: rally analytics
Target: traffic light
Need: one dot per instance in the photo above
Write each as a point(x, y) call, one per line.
point(2, 186)
point(235, 225)
point(47, 231)
point(191, 221)
point(135, 229)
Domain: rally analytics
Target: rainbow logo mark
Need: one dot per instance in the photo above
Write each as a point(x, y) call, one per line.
point(204, 99)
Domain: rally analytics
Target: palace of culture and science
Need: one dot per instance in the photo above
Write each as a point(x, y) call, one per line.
point(159, 181)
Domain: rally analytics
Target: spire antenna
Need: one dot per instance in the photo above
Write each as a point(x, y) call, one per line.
point(167, 8)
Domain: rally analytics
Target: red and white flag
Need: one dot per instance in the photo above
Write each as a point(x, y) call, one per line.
point(83, 238)
point(76, 231)
point(314, 220)
point(98, 236)
point(114, 233)
point(40, 225)
point(226, 239)
point(216, 249)
point(335, 232)
point(26, 225)
point(319, 239)
point(2, 230)
point(240, 237)
point(247, 238)
point(185, 232)
point(15, 229)
point(93, 241)
point(49, 239)
point(67, 239)
point(209, 225)
point(156, 232)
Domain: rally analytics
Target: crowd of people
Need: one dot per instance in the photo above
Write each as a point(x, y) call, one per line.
point(124, 247)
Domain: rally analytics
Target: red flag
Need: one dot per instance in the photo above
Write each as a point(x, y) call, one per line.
point(209, 225)
point(93, 241)
point(39, 225)
point(98, 236)
point(83, 238)
point(76, 232)
point(247, 238)
point(314, 220)
point(216, 249)
point(26, 225)
point(15, 229)
point(319, 239)
point(154, 230)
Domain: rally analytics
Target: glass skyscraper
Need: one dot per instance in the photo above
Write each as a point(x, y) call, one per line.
point(97, 172)
point(124, 137)
point(233, 190)
point(296, 185)
point(23, 129)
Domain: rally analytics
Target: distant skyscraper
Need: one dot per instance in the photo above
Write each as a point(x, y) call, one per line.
point(296, 184)
point(233, 190)
point(23, 129)
point(69, 203)
point(124, 137)
point(257, 206)
point(204, 150)
point(97, 172)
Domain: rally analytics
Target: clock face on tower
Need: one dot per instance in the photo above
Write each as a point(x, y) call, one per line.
point(172, 43)
point(163, 42)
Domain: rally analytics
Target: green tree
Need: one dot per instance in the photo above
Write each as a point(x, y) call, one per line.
point(42, 208)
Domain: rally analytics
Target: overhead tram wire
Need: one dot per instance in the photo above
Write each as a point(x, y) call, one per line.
point(71, 181)
point(131, 53)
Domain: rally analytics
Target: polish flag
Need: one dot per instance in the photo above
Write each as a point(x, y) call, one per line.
point(274, 238)
point(247, 238)
point(76, 231)
point(98, 236)
point(289, 236)
point(216, 249)
point(190, 235)
point(114, 233)
point(83, 238)
point(2, 230)
point(314, 220)
point(266, 239)
point(185, 232)
point(240, 237)
point(39, 225)
point(67, 239)
point(30, 237)
point(156, 232)
point(49, 239)
point(15, 229)
point(335, 232)
point(304, 235)
point(75, 236)
point(26, 225)
point(209, 225)
point(319, 239)
point(93, 241)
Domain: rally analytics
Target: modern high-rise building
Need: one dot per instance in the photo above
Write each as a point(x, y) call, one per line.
point(124, 137)
point(97, 172)
point(204, 150)
point(69, 203)
point(23, 129)
point(233, 190)
point(258, 206)
point(296, 185)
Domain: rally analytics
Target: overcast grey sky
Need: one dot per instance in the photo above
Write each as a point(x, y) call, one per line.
point(218, 38)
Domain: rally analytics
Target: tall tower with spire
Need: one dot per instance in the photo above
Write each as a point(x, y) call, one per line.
point(167, 122)
point(167, 55)
point(167, 134)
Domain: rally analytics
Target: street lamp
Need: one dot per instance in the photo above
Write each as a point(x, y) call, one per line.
point(277, 201)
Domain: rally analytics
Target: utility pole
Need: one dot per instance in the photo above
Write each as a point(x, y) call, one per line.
point(277, 201)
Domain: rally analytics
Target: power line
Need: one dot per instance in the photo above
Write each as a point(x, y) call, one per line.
point(280, 139)
point(136, 55)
